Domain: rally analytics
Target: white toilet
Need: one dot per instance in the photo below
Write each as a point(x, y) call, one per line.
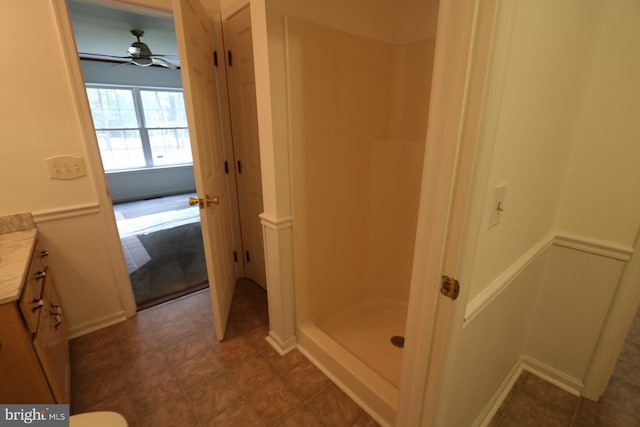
point(98, 419)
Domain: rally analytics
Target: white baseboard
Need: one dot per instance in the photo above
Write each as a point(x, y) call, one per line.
point(535, 367)
point(552, 375)
point(97, 324)
point(282, 347)
point(346, 389)
point(498, 398)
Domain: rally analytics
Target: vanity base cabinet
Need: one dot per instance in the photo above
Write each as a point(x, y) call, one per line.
point(21, 376)
point(34, 347)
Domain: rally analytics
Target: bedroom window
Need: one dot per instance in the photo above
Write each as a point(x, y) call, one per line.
point(140, 128)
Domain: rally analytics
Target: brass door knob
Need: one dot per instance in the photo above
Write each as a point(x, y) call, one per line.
point(208, 201)
point(193, 201)
point(211, 200)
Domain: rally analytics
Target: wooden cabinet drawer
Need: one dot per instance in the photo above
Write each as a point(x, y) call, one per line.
point(52, 345)
point(31, 300)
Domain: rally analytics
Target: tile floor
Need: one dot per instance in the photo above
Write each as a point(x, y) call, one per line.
point(535, 402)
point(166, 368)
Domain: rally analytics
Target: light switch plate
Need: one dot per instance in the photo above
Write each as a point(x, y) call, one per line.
point(497, 205)
point(65, 167)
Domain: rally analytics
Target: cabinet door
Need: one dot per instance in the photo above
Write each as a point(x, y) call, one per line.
point(52, 345)
point(21, 377)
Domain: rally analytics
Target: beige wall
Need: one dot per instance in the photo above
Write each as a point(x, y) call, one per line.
point(565, 142)
point(601, 198)
point(40, 119)
point(532, 142)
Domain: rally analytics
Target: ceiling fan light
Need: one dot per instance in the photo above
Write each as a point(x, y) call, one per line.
point(134, 51)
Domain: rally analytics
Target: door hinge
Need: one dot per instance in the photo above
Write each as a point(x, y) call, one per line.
point(248, 257)
point(215, 58)
point(239, 166)
point(230, 58)
point(450, 287)
point(226, 167)
point(235, 256)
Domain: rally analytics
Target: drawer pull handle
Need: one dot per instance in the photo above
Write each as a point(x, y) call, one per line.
point(40, 275)
point(44, 254)
point(58, 318)
point(37, 305)
point(56, 310)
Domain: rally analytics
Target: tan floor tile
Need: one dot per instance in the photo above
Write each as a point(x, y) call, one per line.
point(257, 337)
point(233, 352)
point(145, 365)
point(335, 408)
point(532, 418)
point(92, 362)
point(149, 392)
point(93, 341)
point(547, 398)
point(239, 415)
point(164, 314)
point(175, 329)
point(286, 363)
point(303, 416)
point(273, 400)
point(198, 369)
point(213, 397)
point(134, 338)
point(252, 373)
point(173, 414)
point(365, 421)
point(604, 414)
point(189, 346)
point(102, 385)
point(120, 403)
point(496, 420)
point(307, 379)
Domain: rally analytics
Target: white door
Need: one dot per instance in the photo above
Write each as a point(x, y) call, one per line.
point(195, 46)
point(244, 128)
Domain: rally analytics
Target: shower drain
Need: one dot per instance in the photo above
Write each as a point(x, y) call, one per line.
point(397, 340)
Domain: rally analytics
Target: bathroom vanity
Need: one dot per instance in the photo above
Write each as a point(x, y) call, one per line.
point(34, 350)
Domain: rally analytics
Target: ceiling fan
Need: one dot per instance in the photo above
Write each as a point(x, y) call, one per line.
point(138, 53)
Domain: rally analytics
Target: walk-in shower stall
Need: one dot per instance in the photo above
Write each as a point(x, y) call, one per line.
point(358, 116)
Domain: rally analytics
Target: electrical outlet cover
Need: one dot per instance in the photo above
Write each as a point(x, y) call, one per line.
point(65, 167)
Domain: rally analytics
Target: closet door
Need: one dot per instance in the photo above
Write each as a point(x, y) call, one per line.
point(244, 128)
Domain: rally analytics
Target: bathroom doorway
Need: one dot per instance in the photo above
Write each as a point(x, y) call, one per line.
point(140, 121)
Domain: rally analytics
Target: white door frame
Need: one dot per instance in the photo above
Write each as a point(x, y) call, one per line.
point(447, 174)
point(76, 81)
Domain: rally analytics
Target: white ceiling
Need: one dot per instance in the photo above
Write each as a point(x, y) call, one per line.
point(104, 28)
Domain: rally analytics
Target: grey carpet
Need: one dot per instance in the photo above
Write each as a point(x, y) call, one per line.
point(177, 265)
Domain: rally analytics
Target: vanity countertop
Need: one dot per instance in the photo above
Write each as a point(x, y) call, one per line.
point(17, 239)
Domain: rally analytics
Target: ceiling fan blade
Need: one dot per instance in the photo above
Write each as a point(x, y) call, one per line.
point(164, 63)
point(99, 55)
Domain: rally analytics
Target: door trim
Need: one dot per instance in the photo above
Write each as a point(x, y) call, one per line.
point(452, 138)
point(76, 81)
